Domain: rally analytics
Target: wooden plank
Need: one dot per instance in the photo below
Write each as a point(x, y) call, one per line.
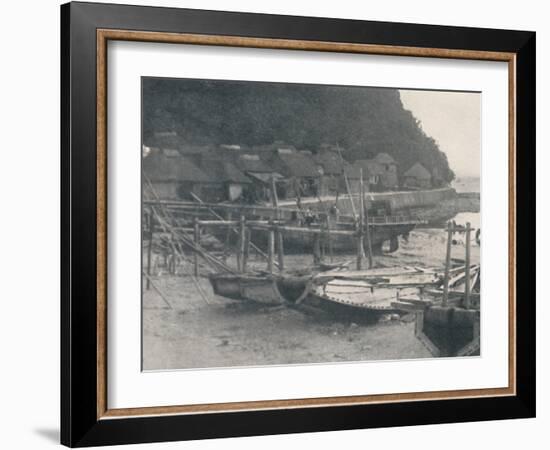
point(406, 306)
point(221, 223)
point(416, 301)
point(301, 229)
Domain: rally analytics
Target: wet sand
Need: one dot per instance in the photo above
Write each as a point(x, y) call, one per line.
point(197, 332)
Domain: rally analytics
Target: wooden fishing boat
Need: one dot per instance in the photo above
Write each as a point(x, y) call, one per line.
point(299, 239)
point(367, 291)
point(260, 287)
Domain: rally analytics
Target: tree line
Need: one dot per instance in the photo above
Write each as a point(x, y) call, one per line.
point(363, 121)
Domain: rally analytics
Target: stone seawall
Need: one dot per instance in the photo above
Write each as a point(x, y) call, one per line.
point(468, 202)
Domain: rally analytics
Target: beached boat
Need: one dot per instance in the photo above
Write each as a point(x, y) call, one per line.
point(367, 291)
point(391, 214)
point(339, 239)
point(452, 329)
point(300, 240)
point(260, 287)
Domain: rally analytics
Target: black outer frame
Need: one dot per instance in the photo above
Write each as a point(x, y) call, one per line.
point(79, 424)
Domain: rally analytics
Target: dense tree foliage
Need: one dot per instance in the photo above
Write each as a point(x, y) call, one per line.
point(363, 121)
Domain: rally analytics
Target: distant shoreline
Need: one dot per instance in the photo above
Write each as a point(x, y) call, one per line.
point(466, 184)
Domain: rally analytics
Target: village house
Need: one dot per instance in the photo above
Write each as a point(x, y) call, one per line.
point(170, 176)
point(302, 174)
point(230, 184)
point(261, 176)
point(372, 173)
point(353, 175)
point(388, 171)
point(382, 170)
point(417, 177)
point(331, 167)
point(170, 141)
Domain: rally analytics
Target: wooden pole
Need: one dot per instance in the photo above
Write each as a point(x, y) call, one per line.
point(172, 262)
point(367, 228)
point(242, 238)
point(215, 214)
point(447, 264)
point(246, 248)
point(330, 248)
point(360, 223)
point(467, 268)
point(346, 181)
point(270, 249)
point(164, 218)
point(280, 250)
point(197, 238)
point(278, 234)
point(229, 218)
point(149, 248)
point(274, 197)
point(317, 248)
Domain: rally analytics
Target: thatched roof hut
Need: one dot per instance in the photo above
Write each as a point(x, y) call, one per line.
point(161, 167)
point(417, 177)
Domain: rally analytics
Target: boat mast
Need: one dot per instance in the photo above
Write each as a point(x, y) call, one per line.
point(278, 234)
point(346, 181)
point(360, 223)
point(365, 209)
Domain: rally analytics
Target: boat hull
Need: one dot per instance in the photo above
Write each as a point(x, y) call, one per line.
point(296, 242)
point(371, 292)
point(265, 289)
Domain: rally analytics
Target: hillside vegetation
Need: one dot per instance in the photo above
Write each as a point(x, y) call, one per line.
point(363, 121)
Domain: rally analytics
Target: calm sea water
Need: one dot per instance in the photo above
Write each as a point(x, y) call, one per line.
point(466, 184)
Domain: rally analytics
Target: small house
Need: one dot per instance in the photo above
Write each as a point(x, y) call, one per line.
point(417, 177)
point(331, 166)
point(373, 173)
point(382, 170)
point(387, 170)
point(261, 176)
point(300, 170)
point(171, 142)
point(170, 176)
point(230, 184)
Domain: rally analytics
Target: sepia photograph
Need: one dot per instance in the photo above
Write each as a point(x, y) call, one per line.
point(288, 224)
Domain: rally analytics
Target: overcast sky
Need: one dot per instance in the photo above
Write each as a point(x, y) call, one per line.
point(453, 119)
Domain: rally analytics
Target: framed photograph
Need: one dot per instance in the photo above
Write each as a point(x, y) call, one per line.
point(273, 224)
